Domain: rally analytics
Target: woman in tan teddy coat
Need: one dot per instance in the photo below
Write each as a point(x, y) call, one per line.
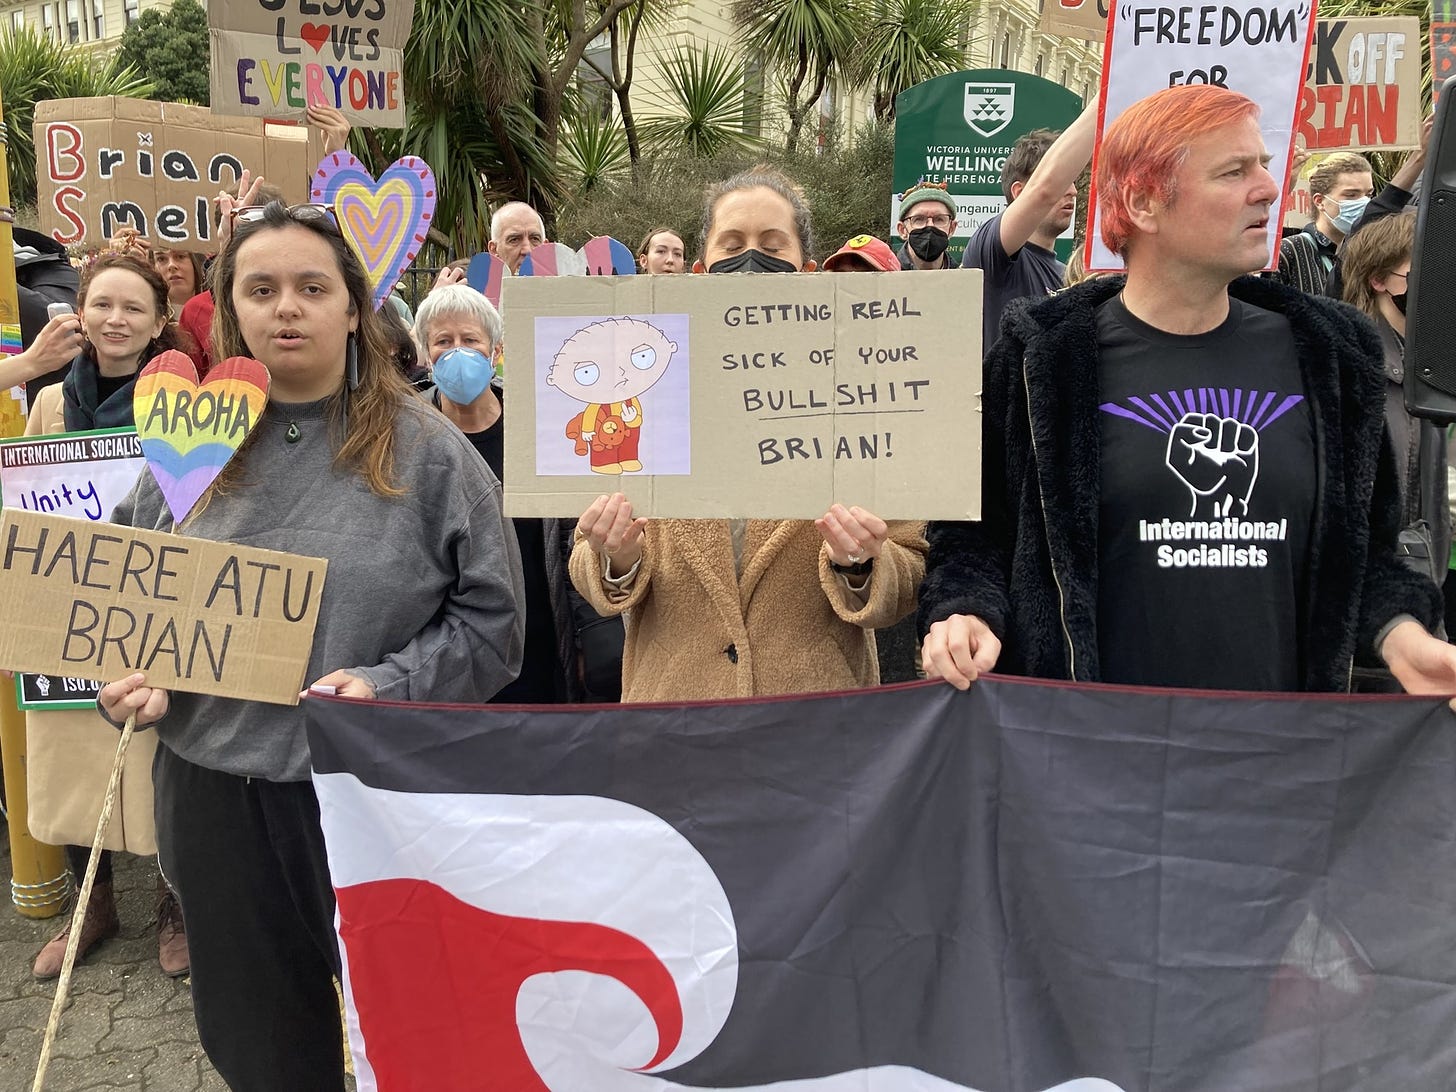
point(737, 608)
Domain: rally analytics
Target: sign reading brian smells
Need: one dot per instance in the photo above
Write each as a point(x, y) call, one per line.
point(103, 164)
point(1253, 46)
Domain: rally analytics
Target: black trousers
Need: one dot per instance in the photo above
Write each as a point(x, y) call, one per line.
point(246, 860)
point(77, 857)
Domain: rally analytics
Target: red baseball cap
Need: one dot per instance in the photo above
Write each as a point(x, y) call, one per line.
point(867, 247)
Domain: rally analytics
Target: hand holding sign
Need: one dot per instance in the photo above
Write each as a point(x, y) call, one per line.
point(188, 432)
point(383, 221)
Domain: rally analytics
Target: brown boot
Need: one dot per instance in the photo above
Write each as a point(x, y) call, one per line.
point(171, 934)
point(100, 924)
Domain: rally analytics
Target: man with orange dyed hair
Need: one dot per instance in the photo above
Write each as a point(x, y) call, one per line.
point(1186, 481)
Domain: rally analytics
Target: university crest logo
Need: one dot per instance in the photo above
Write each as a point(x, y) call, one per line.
point(989, 106)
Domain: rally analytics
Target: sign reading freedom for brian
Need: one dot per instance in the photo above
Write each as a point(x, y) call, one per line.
point(746, 396)
point(1255, 47)
point(101, 601)
point(106, 163)
point(275, 57)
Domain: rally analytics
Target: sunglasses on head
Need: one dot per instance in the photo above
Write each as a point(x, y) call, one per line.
point(306, 213)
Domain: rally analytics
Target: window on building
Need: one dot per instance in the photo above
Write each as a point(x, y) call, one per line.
point(1086, 89)
point(828, 115)
point(98, 19)
point(1006, 50)
point(17, 19)
point(595, 93)
point(48, 19)
point(1040, 63)
point(132, 11)
point(73, 21)
point(753, 91)
point(1066, 75)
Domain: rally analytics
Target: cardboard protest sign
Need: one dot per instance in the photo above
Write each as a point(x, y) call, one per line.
point(189, 432)
point(1074, 19)
point(107, 163)
point(1299, 209)
point(1259, 49)
point(271, 58)
point(79, 474)
point(384, 221)
point(1363, 85)
point(746, 396)
point(100, 601)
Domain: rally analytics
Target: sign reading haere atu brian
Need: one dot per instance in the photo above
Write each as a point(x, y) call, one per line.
point(102, 601)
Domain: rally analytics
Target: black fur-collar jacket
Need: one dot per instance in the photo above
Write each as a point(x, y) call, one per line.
point(1029, 567)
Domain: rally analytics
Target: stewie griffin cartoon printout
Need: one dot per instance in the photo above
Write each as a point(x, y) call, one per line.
point(739, 396)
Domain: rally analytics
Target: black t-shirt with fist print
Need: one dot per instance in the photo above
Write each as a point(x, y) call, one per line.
point(1208, 492)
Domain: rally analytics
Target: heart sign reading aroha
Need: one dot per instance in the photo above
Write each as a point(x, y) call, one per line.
point(384, 221)
point(189, 432)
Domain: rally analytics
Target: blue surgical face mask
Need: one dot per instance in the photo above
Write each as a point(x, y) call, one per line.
point(462, 374)
point(1350, 212)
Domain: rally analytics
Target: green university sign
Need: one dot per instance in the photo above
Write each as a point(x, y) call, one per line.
point(959, 129)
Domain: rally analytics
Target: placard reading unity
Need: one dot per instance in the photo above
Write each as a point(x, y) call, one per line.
point(274, 58)
point(79, 474)
point(100, 601)
point(746, 396)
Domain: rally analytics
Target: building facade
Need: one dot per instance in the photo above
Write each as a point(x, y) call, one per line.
point(1001, 34)
point(84, 22)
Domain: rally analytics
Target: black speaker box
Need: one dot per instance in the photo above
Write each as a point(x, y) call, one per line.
point(1430, 348)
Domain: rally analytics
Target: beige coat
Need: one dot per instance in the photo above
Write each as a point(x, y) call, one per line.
point(48, 413)
point(789, 624)
point(69, 752)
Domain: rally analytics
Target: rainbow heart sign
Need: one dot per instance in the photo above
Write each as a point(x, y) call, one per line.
point(190, 431)
point(385, 221)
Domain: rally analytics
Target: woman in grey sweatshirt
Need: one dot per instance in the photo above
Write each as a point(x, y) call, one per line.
point(421, 602)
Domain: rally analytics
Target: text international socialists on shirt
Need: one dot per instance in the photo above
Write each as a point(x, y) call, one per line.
point(1207, 497)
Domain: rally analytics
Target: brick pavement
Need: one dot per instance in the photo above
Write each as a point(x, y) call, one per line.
point(126, 1027)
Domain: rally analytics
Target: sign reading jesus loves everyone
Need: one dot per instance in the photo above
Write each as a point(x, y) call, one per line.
point(275, 57)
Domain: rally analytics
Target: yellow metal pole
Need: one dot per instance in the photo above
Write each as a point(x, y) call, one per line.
point(39, 883)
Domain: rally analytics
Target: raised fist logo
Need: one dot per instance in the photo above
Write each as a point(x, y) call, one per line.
point(1218, 459)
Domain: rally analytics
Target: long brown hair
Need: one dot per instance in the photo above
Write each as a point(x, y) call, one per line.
point(364, 416)
point(111, 259)
point(1374, 251)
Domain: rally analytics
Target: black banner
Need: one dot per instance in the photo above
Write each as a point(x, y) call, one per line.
point(1016, 888)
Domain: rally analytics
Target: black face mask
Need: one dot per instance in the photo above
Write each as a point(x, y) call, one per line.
point(1399, 301)
point(929, 242)
point(752, 261)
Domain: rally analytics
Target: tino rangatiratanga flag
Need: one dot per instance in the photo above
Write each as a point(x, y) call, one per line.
point(1017, 888)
